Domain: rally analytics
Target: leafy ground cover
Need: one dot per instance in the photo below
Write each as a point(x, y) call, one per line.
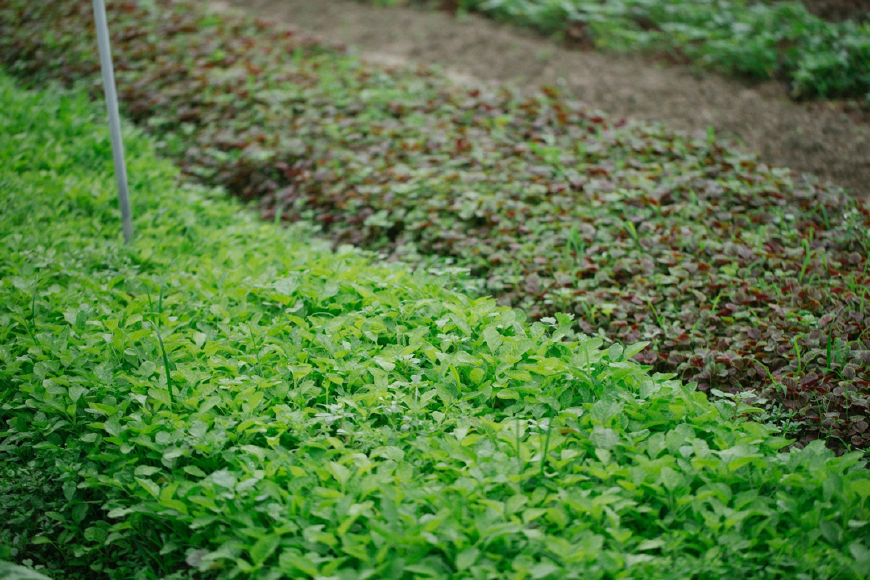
point(765, 40)
point(745, 278)
point(224, 400)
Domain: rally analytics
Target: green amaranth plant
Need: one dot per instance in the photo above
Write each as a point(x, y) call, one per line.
point(383, 426)
point(533, 194)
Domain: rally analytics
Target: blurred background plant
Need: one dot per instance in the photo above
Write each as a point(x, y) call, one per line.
point(764, 40)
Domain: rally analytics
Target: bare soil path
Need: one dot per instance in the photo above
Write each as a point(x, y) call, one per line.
point(812, 138)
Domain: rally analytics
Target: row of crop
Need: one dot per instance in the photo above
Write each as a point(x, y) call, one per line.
point(744, 278)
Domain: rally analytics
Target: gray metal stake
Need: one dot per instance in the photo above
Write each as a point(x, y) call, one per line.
point(114, 116)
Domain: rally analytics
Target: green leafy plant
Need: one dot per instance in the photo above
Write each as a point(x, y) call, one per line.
point(685, 243)
point(457, 439)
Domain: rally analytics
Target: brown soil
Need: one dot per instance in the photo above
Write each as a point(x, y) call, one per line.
point(816, 138)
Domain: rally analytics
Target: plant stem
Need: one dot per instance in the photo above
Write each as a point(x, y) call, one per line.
point(166, 367)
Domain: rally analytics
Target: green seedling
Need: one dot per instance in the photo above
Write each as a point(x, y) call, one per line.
point(31, 324)
point(546, 448)
point(797, 350)
point(167, 367)
point(808, 258)
point(517, 447)
point(632, 232)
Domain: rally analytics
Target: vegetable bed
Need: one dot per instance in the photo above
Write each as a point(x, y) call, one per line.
point(222, 399)
point(747, 279)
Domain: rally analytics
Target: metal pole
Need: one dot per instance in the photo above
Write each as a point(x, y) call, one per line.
point(114, 117)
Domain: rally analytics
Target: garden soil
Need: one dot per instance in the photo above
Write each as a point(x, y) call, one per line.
point(816, 137)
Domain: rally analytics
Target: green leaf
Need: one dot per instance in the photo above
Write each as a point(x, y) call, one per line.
point(147, 368)
point(79, 511)
point(160, 395)
point(544, 569)
point(145, 470)
point(38, 540)
point(602, 411)
point(224, 478)
point(95, 534)
point(650, 544)
point(149, 486)
point(292, 563)
point(390, 452)
point(76, 392)
point(113, 426)
point(671, 479)
point(444, 393)
point(615, 352)
point(264, 547)
point(339, 472)
point(861, 487)
point(604, 438)
point(466, 558)
point(862, 557)
point(633, 349)
point(493, 338)
point(194, 470)
point(515, 503)
point(69, 490)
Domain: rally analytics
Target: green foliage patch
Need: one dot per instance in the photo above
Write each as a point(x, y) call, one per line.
point(759, 39)
point(223, 400)
point(745, 278)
